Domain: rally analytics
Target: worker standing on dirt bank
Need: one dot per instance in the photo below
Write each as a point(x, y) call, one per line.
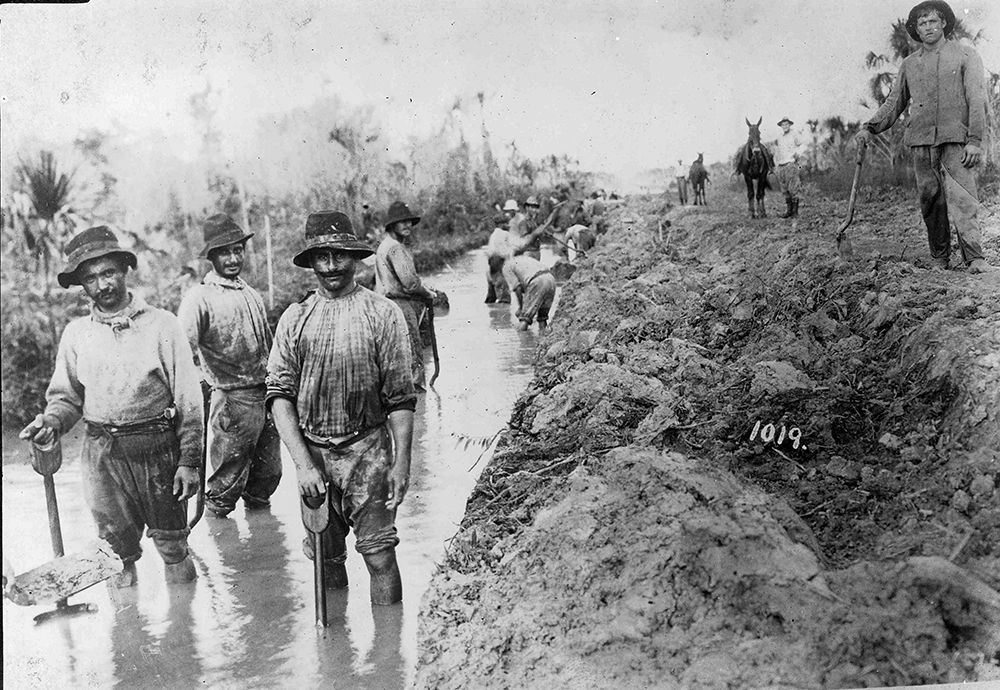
point(340, 387)
point(786, 153)
point(128, 371)
point(945, 82)
point(396, 278)
point(226, 324)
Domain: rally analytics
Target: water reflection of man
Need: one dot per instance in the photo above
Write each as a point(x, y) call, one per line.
point(340, 387)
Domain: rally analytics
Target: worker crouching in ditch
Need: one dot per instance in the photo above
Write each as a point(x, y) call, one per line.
point(127, 370)
point(340, 388)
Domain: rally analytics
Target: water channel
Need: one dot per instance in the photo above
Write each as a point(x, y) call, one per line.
point(248, 621)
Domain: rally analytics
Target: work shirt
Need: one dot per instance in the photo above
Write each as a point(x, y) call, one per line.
point(499, 243)
point(395, 273)
point(344, 362)
point(128, 367)
point(945, 89)
point(226, 324)
point(786, 147)
point(520, 228)
point(520, 269)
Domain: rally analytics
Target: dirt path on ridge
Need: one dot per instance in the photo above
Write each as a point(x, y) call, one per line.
point(633, 530)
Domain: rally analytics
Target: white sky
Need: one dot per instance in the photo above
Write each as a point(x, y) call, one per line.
point(621, 85)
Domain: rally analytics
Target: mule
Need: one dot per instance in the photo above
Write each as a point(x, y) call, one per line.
point(699, 176)
point(754, 162)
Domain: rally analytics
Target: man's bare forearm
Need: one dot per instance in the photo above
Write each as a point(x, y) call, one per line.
point(401, 428)
point(286, 421)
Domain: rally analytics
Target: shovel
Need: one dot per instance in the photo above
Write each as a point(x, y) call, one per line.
point(316, 518)
point(844, 247)
point(66, 575)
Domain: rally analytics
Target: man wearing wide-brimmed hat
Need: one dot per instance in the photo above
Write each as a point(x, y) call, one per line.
point(943, 84)
point(522, 226)
point(128, 371)
point(786, 150)
point(226, 324)
point(396, 278)
point(341, 391)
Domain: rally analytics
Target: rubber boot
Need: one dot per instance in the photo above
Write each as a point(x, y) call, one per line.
point(180, 573)
point(386, 584)
point(790, 207)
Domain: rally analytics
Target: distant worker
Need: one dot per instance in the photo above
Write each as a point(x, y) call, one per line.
point(396, 278)
point(579, 238)
point(497, 249)
point(226, 324)
point(523, 224)
point(682, 185)
point(786, 152)
point(532, 283)
point(946, 137)
point(341, 390)
point(127, 370)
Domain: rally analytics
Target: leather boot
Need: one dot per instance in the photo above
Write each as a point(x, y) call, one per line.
point(789, 207)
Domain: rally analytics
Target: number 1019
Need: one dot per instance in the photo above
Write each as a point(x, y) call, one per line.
point(768, 431)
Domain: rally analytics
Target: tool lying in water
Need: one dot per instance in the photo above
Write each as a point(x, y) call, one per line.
point(316, 518)
point(58, 579)
point(844, 247)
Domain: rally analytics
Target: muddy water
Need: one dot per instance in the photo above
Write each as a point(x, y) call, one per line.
point(248, 621)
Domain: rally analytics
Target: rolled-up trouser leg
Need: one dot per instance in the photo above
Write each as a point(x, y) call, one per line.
point(962, 200)
point(933, 206)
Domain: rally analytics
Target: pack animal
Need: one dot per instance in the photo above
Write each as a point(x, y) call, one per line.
point(754, 162)
point(698, 176)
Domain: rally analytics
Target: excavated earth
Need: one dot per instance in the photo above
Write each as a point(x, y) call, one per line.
point(632, 529)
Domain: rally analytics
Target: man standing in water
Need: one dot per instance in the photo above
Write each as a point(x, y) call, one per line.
point(396, 278)
point(340, 388)
point(944, 81)
point(128, 371)
point(226, 324)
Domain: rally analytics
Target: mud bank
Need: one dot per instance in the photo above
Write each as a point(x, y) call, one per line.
point(633, 530)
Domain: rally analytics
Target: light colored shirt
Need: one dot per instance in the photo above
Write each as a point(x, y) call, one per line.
point(786, 147)
point(226, 324)
point(520, 269)
point(395, 273)
point(945, 89)
point(344, 361)
point(128, 367)
point(499, 244)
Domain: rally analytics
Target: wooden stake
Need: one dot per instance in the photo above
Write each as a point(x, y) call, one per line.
point(270, 262)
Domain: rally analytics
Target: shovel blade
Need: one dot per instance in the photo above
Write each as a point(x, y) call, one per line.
point(845, 248)
point(64, 576)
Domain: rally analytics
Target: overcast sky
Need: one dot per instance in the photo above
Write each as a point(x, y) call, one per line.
point(622, 85)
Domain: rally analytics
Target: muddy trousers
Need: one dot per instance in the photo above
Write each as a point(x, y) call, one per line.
point(496, 284)
point(948, 198)
point(412, 310)
point(359, 485)
point(244, 449)
point(128, 479)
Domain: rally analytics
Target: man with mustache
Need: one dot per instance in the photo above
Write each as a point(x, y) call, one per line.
point(341, 391)
point(126, 368)
point(226, 324)
point(943, 84)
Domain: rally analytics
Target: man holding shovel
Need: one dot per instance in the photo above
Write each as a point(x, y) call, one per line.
point(341, 391)
point(943, 83)
point(226, 324)
point(127, 369)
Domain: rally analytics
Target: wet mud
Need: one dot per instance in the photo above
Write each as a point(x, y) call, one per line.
point(742, 462)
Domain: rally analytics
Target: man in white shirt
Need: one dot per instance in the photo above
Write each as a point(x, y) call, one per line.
point(786, 150)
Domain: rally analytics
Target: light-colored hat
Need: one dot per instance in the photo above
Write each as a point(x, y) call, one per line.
point(510, 205)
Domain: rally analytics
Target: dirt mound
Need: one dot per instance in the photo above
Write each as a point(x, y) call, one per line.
point(741, 463)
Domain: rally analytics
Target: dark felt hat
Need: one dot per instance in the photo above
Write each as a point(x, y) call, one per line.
point(330, 230)
point(92, 243)
point(939, 5)
point(785, 119)
point(220, 230)
point(399, 211)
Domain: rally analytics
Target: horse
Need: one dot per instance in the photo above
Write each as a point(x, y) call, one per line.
point(754, 162)
point(699, 176)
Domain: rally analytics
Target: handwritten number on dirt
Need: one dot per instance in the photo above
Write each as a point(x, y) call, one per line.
point(768, 430)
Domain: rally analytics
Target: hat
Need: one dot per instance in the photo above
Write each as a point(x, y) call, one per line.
point(784, 120)
point(92, 243)
point(940, 6)
point(220, 231)
point(532, 201)
point(510, 205)
point(398, 212)
point(330, 230)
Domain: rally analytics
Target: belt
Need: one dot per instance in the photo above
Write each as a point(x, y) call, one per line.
point(344, 441)
point(160, 422)
point(540, 273)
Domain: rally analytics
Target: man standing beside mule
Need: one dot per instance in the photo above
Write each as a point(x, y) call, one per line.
point(340, 388)
point(786, 154)
point(396, 278)
point(943, 82)
point(226, 324)
point(126, 368)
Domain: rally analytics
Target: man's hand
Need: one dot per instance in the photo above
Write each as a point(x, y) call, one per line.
point(971, 156)
point(863, 138)
point(186, 481)
point(399, 482)
point(312, 483)
point(42, 430)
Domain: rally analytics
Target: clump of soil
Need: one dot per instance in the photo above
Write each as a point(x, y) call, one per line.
point(741, 463)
